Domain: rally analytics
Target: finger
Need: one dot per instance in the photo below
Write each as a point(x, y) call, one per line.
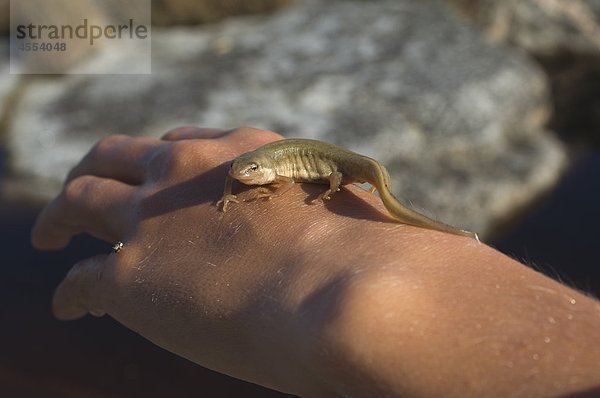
point(83, 290)
point(119, 157)
point(250, 137)
point(87, 204)
point(191, 133)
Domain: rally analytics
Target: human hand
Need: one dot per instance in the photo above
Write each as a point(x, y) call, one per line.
point(189, 278)
point(315, 300)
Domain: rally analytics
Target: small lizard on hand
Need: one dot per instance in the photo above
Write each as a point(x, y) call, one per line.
point(301, 160)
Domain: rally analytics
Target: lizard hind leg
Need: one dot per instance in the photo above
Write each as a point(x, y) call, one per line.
point(335, 179)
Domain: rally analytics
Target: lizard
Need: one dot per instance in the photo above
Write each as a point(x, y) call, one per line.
point(304, 160)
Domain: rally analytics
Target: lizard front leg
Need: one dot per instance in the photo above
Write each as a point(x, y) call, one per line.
point(284, 184)
point(227, 195)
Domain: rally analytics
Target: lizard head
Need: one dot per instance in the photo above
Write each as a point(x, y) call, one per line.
point(252, 169)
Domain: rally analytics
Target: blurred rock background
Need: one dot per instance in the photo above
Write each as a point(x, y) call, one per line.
point(486, 113)
point(563, 37)
point(460, 123)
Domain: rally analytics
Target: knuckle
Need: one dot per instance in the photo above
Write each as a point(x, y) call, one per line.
point(171, 135)
point(252, 134)
point(177, 133)
point(180, 158)
point(83, 187)
point(107, 145)
point(183, 151)
point(98, 154)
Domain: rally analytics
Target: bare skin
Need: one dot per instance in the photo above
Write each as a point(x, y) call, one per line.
point(283, 294)
point(299, 160)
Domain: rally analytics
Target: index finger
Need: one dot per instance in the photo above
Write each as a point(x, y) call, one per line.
point(191, 133)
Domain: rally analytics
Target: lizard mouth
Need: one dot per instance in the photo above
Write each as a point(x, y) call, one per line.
point(240, 176)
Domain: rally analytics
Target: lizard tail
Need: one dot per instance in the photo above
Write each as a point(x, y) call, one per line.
point(406, 215)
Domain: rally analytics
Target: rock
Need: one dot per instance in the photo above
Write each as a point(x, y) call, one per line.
point(8, 87)
point(542, 27)
point(175, 12)
point(564, 37)
point(457, 122)
point(4, 17)
point(8, 84)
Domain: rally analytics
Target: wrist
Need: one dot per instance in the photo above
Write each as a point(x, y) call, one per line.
point(332, 268)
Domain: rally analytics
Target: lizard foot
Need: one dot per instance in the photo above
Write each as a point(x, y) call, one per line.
point(324, 196)
point(225, 201)
point(265, 193)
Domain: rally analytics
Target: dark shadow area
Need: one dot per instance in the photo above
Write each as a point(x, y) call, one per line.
point(93, 357)
point(593, 392)
point(344, 203)
point(174, 197)
point(575, 89)
point(562, 237)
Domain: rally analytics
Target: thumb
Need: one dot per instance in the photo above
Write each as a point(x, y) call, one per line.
point(82, 291)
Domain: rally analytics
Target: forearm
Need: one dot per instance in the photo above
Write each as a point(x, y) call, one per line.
point(445, 317)
point(412, 312)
